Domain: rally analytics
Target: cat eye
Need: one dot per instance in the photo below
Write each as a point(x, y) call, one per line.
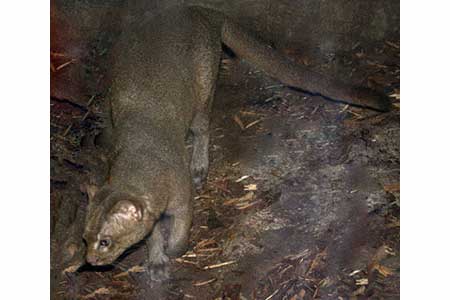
point(105, 243)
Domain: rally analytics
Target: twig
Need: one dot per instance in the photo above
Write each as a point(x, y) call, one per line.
point(209, 250)
point(219, 265)
point(99, 291)
point(239, 122)
point(344, 109)
point(284, 270)
point(135, 269)
point(58, 54)
point(252, 124)
point(88, 104)
point(90, 100)
point(362, 281)
point(272, 295)
point(65, 64)
point(244, 206)
point(184, 261)
point(56, 125)
point(201, 283)
point(204, 243)
point(242, 178)
point(67, 130)
point(250, 113)
point(316, 292)
point(271, 98)
point(189, 255)
point(273, 86)
point(392, 44)
point(85, 116)
point(297, 256)
point(202, 197)
point(250, 187)
point(246, 197)
point(355, 114)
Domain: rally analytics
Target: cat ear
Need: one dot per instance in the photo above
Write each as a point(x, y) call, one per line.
point(127, 210)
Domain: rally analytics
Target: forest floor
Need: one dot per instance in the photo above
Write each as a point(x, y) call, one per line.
point(302, 198)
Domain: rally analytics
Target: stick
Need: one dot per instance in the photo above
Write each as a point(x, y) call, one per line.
point(201, 283)
point(219, 265)
point(64, 64)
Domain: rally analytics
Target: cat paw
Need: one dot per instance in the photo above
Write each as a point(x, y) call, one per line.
point(199, 171)
point(159, 269)
point(177, 250)
point(199, 177)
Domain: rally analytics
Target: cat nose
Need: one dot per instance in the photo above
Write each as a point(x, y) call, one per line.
point(92, 259)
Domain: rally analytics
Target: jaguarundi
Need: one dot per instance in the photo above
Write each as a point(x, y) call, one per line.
point(163, 80)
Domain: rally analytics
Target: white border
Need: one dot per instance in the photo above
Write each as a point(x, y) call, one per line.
point(425, 149)
point(24, 150)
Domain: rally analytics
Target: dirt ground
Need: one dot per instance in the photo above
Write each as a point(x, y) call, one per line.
point(302, 198)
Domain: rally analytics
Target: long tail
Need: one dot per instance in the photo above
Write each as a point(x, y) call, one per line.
point(296, 76)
